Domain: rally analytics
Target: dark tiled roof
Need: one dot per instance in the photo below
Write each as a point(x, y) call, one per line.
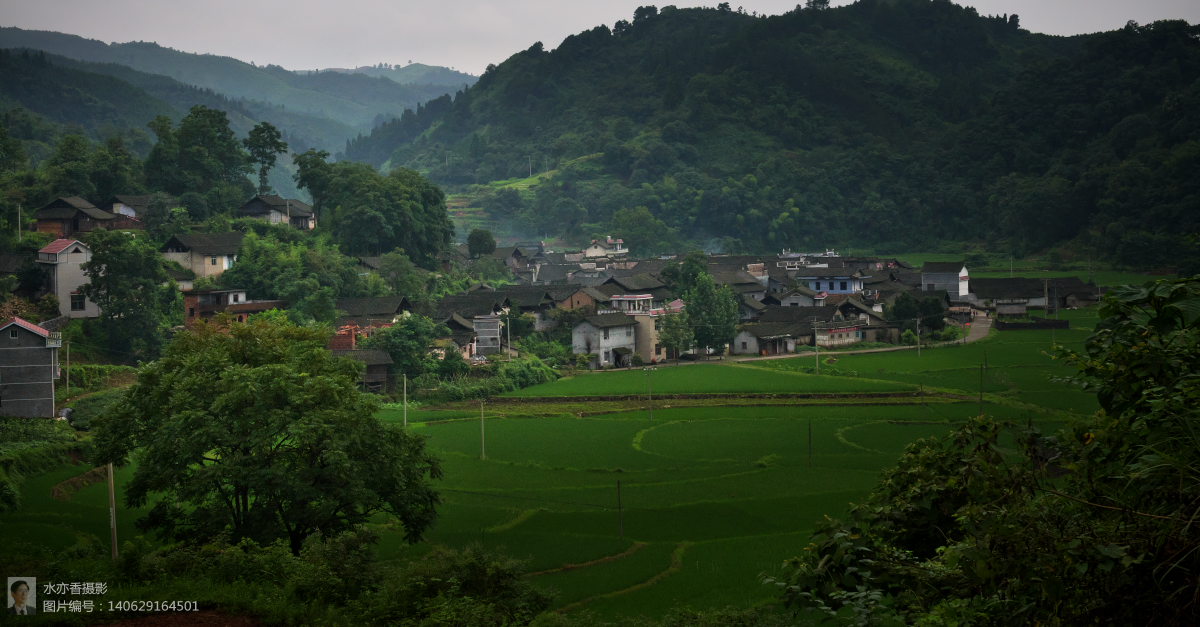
point(469, 305)
point(641, 282)
point(798, 314)
point(941, 267)
point(369, 356)
point(827, 273)
point(608, 321)
point(65, 208)
point(264, 202)
point(767, 330)
point(752, 303)
point(375, 306)
point(735, 277)
point(139, 203)
point(370, 262)
point(208, 243)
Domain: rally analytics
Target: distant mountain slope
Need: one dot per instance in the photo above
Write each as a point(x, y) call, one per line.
point(354, 100)
point(888, 123)
point(93, 102)
point(415, 74)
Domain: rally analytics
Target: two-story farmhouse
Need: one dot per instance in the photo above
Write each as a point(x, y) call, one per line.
point(830, 280)
point(610, 337)
point(64, 259)
point(28, 368)
point(65, 216)
point(205, 254)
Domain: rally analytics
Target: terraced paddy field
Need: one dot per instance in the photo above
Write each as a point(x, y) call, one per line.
point(625, 506)
point(716, 485)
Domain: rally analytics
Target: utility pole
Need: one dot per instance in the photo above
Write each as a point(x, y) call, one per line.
point(112, 510)
point(530, 166)
point(817, 346)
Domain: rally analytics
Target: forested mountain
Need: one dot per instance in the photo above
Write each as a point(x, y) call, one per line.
point(894, 123)
point(354, 100)
point(414, 74)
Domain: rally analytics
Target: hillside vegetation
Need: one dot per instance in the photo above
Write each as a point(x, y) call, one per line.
point(880, 124)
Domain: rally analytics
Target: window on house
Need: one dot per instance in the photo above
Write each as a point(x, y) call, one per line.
point(212, 261)
point(12, 333)
point(605, 356)
point(843, 286)
point(606, 335)
point(658, 349)
point(794, 304)
point(628, 331)
point(77, 302)
point(743, 346)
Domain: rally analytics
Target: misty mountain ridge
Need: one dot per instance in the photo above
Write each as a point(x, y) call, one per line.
point(353, 99)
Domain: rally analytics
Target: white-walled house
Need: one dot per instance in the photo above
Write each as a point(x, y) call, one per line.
point(951, 276)
point(65, 259)
point(611, 337)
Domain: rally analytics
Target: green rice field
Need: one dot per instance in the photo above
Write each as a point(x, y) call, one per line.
point(636, 511)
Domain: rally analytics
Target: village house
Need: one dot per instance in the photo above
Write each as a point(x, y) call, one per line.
point(278, 210)
point(610, 337)
point(205, 254)
point(830, 280)
point(66, 216)
point(951, 276)
point(129, 205)
point(768, 338)
point(65, 259)
point(607, 247)
point(28, 369)
point(376, 377)
point(204, 304)
point(488, 331)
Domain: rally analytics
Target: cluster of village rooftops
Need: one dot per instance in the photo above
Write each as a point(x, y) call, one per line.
point(785, 300)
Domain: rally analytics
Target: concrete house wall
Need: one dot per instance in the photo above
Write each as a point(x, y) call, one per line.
point(67, 276)
point(28, 369)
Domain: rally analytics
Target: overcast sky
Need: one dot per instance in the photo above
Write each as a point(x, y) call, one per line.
point(463, 34)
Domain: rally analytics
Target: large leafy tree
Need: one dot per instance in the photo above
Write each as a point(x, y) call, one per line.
point(712, 312)
point(370, 213)
point(675, 334)
point(138, 301)
point(1096, 523)
point(408, 343)
point(480, 242)
point(264, 143)
point(257, 431)
point(201, 156)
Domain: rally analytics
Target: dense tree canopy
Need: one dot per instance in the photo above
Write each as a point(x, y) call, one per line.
point(138, 301)
point(372, 213)
point(1095, 523)
point(257, 431)
point(891, 124)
